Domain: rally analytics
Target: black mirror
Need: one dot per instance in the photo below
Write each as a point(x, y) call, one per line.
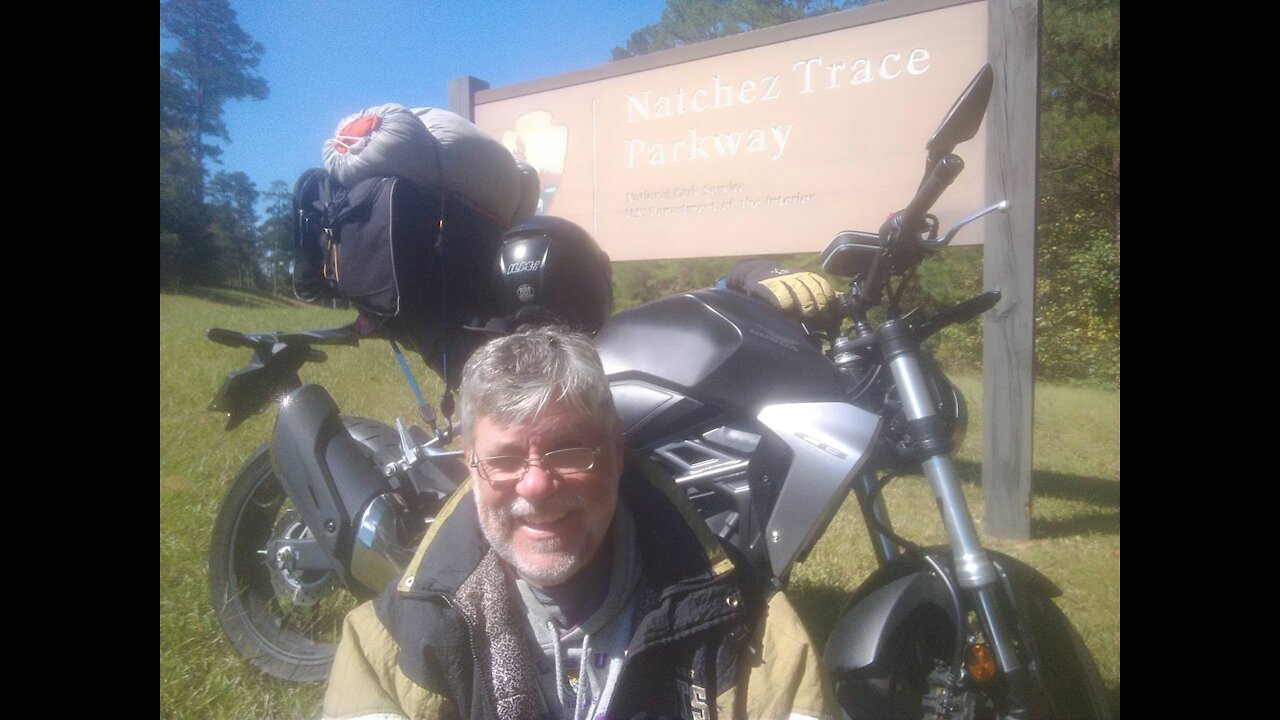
point(965, 116)
point(851, 253)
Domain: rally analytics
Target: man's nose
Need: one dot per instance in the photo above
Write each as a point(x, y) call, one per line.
point(537, 482)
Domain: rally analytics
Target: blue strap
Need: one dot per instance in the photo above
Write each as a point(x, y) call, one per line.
point(408, 375)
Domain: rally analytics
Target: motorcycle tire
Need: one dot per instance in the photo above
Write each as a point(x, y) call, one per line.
point(1066, 675)
point(256, 603)
point(1066, 682)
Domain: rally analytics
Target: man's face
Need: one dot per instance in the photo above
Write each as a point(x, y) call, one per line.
point(547, 526)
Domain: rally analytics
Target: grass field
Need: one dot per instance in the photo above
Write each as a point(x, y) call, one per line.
point(1076, 525)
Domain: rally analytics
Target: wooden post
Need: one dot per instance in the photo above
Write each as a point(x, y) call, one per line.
point(1009, 263)
point(462, 95)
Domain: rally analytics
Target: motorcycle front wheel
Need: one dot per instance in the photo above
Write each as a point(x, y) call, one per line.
point(907, 683)
point(1067, 679)
point(286, 624)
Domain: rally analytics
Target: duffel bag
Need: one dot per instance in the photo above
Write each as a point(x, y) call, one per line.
point(420, 257)
point(372, 243)
point(311, 196)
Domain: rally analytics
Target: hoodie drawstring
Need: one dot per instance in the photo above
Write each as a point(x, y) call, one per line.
point(584, 682)
point(557, 653)
point(563, 686)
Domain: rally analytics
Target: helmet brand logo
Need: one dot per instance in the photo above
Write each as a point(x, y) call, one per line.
point(524, 292)
point(526, 266)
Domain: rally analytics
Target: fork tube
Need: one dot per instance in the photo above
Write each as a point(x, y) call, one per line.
point(973, 567)
point(974, 570)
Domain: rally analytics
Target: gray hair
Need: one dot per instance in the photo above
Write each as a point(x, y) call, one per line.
point(513, 378)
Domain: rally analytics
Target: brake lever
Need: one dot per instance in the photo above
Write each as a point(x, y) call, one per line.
point(1002, 206)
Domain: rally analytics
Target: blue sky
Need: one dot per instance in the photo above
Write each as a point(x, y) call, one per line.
point(325, 60)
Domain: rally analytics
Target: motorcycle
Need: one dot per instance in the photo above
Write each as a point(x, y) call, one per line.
point(766, 431)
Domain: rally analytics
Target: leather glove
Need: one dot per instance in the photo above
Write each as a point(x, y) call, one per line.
point(799, 293)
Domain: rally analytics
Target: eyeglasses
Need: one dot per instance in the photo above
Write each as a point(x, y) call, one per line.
point(504, 471)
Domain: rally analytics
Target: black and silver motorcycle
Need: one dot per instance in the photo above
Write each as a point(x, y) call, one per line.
point(767, 425)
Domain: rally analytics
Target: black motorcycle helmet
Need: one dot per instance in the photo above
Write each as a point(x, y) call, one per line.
point(550, 270)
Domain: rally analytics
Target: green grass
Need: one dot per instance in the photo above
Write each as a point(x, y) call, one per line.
point(1076, 524)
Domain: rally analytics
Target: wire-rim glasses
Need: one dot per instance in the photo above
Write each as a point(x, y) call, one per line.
point(504, 471)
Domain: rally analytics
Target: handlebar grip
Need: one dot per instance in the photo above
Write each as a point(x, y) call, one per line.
point(230, 338)
point(960, 313)
point(944, 173)
point(900, 234)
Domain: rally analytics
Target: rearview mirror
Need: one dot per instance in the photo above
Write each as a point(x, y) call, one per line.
point(965, 116)
point(851, 253)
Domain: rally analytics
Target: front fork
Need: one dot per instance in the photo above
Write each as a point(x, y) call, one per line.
point(974, 570)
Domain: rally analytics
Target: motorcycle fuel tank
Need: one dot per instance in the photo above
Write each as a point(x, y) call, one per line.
point(709, 350)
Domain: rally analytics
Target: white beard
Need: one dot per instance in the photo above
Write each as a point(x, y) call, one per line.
point(544, 562)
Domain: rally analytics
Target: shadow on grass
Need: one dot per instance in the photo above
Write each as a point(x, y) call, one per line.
point(1102, 494)
point(1093, 524)
point(239, 298)
point(1092, 490)
point(819, 607)
point(1064, 486)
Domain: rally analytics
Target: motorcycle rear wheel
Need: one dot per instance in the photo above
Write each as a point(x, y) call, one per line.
point(1066, 683)
point(286, 625)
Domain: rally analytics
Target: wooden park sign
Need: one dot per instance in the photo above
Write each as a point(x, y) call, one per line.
point(775, 140)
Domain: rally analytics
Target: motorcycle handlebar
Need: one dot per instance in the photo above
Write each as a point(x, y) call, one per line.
point(904, 227)
point(960, 313)
point(944, 173)
point(344, 335)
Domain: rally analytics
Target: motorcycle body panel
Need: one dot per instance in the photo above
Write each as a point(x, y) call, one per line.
point(247, 391)
point(690, 373)
point(326, 473)
point(829, 444)
point(697, 355)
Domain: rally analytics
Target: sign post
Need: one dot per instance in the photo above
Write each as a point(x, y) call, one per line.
point(1009, 263)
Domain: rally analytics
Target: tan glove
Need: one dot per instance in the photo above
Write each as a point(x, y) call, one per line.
point(799, 293)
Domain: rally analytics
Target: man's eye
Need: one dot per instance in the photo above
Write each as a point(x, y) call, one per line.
point(506, 463)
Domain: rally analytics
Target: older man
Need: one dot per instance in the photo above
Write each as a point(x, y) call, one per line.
point(556, 586)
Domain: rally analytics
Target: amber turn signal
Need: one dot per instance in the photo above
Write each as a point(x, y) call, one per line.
point(980, 663)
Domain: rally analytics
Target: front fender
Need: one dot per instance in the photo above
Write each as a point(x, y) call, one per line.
point(895, 593)
point(864, 630)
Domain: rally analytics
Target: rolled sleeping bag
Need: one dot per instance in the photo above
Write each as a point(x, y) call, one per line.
point(438, 149)
point(477, 168)
point(379, 141)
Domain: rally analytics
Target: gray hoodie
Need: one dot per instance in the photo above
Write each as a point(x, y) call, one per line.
point(578, 666)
